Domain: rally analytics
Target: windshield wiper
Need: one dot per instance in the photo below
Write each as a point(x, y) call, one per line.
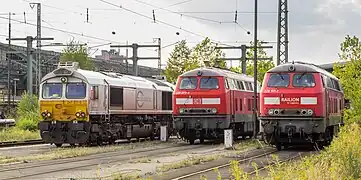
point(301, 76)
point(279, 74)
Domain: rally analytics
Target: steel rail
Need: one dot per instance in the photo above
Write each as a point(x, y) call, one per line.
point(224, 165)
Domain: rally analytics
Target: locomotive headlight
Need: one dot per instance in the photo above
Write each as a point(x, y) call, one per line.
point(43, 114)
point(214, 110)
point(181, 110)
point(77, 114)
point(82, 114)
point(48, 115)
point(270, 111)
point(309, 112)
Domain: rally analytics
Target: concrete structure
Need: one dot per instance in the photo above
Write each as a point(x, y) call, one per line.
point(107, 61)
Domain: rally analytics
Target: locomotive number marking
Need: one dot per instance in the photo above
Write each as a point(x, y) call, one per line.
point(271, 91)
point(291, 100)
point(197, 101)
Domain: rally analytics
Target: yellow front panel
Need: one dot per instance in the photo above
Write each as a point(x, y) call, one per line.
point(64, 110)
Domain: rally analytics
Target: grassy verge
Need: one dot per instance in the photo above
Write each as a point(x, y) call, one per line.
point(341, 160)
point(17, 134)
point(61, 153)
point(238, 148)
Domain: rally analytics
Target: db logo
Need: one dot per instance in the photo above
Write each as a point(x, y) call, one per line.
point(197, 101)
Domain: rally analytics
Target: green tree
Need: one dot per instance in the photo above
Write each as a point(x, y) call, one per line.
point(206, 53)
point(262, 66)
point(180, 61)
point(350, 74)
point(74, 52)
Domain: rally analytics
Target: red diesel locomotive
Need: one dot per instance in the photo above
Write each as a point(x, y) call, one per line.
point(300, 103)
point(208, 100)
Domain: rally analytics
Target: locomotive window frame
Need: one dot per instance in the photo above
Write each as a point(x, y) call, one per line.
point(251, 86)
point(241, 85)
point(231, 84)
point(71, 83)
point(226, 83)
point(189, 79)
point(298, 75)
point(61, 92)
point(246, 86)
point(207, 79)
point(286, 79)
point(95, 92)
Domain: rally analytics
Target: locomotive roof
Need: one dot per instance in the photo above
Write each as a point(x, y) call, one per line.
point(114, 79)
point(210, 71)
point(301, 67)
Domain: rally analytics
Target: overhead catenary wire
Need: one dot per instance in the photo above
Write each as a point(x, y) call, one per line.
point(162, 22)
point(174, 12)
point(63, 31)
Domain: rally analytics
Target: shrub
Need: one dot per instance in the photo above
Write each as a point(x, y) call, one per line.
point(28, 112)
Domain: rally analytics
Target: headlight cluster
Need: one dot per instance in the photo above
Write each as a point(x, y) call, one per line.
point(303, 112)
point(80, 114)
point(306, 112)
point(198, 110)
point(46, 114)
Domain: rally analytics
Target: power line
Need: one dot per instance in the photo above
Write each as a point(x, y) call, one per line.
point(178, 3)
point(63, 31)
point(162, 22)
point(56, 8)
point(195, 17)
point(174, 12)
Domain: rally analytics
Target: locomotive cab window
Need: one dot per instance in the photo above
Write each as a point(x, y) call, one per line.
point(303, 80)
point(278, 80)
point(76, 90)
point(52, 90)
point(188, 83)
point(209, 83)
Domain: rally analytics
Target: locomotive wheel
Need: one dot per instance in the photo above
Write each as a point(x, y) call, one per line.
point(191, 141)
point(278, 146)
point(201, 141)
point(58, 144)
point(72, 145)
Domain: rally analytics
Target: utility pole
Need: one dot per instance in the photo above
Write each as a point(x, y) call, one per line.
point(282, 36)
point(255, 41)
point(243, 57)
point(244, 60)
point(126, 59)
point(29, 41)
point(9, 60)
point(160, 56)
point(38, 43)
point(135, 57)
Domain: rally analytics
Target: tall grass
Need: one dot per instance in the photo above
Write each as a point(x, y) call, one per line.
point(341, 160)
point(27, 117)
point(18, 134)
point(28, 112)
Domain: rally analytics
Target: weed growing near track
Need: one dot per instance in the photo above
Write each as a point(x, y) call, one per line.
point(238, 148)
point(17, 134)
point(68, 152)
point(341, 160)
point(27, 118)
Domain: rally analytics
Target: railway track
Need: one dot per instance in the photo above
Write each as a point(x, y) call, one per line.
point(36, 169)
point(261, 157)
point(39, 141)
point(21, 143)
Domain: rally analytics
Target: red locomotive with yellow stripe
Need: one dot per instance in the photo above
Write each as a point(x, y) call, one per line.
point(207, 101)
point(300, 102)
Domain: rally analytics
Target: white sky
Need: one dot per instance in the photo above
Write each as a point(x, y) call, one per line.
point(316, 27)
